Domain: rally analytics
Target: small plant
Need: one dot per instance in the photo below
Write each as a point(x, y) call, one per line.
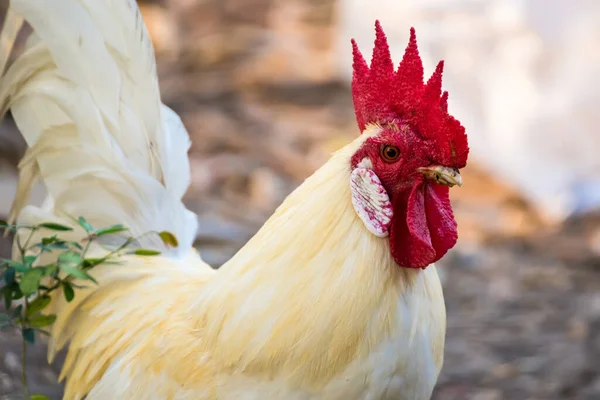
point(26, 283)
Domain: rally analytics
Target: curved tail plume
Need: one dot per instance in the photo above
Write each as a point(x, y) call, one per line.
point(85, 96)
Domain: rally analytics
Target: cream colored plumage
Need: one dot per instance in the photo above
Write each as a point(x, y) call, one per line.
point(313, 307)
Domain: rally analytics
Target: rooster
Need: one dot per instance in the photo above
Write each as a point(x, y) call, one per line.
point(336, 296)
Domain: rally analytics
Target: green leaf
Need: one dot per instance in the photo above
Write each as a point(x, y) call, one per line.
point(112, 262)
point(69, 261)
point(17, 294)
point(50, 269)
point(28, 335)
point(145, 252)
point(7, 293)
point(76, 245)
point(92, 262)
point(55, 227)
point(29, 260)
point(168, 238)
point(30, 281)
point(77, 273)
point(85, 225)
point(38, 397)
point(9, 276)
point(49, 240)
point(69, 258)
point(59, 246)
point(8, 261)
point(37, 305)
point(111, 230)
point(42, 320)
point(52, 242)
point(4, 320)
point(17, 311)
point(21, 267)
point(68, 291)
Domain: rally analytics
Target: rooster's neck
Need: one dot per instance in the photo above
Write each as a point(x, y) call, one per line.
point(317, 234)
point(313, 290)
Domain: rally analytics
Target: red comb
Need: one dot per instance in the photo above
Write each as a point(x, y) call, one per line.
point(381, 95)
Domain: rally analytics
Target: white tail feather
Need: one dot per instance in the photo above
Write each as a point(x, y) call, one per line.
point(10, 30)
point(85, 96)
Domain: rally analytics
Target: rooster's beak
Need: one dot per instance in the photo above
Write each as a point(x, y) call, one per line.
point(443, 175)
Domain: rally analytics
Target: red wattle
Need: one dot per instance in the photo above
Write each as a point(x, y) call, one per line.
point(423, 228)
point(440, 218)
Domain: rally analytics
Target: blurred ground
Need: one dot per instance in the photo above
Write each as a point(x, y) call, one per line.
point(255, 84)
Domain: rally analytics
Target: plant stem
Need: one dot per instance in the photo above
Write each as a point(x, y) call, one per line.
point(26, 245)
point(24, 360)
point(24, 371)
point(23, 250)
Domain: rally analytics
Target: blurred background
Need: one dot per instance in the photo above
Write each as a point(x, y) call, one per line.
point(263, 88)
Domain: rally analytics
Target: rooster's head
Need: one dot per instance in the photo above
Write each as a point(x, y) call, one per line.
point(402, 172)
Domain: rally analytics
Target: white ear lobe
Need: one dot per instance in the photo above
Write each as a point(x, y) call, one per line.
point(371, 201)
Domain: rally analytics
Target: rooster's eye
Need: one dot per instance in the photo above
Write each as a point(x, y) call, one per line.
point(390, 153)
